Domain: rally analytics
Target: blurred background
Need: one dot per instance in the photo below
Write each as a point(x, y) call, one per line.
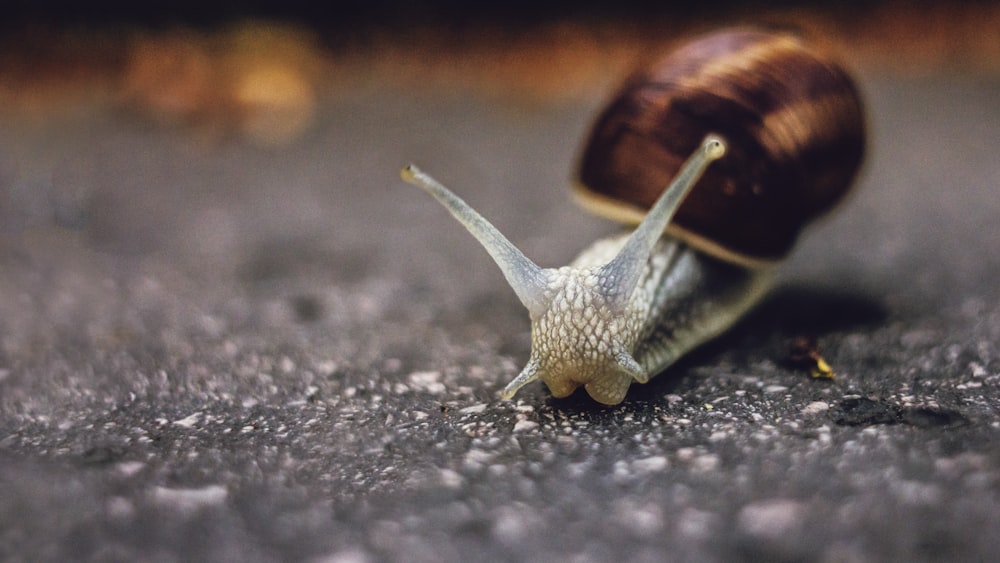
point(258, 69)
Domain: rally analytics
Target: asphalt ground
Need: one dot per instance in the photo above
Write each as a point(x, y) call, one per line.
point(223, 350)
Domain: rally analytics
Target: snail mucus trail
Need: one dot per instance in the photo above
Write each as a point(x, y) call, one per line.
point(630, 305)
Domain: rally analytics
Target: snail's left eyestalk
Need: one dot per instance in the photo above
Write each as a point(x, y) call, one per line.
point(526, 279)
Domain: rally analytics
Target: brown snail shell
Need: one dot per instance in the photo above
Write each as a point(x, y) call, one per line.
point(792, 119)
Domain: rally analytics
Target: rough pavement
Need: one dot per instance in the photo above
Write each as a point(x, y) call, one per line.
point(214, 351)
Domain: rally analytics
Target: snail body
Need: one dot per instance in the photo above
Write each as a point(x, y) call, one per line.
point(790, 124)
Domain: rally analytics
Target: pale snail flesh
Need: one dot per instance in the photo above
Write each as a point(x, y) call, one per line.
point(627, 307)
point(630, 305)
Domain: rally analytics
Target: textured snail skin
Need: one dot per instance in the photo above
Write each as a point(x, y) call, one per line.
point(684, 298)
point(791, 116)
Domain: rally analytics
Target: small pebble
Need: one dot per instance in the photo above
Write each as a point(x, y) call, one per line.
point(525, 425)
point(650, 464)
point(815, 407)
point(772, 518)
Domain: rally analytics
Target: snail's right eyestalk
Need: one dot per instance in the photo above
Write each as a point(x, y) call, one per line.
point(627, 266)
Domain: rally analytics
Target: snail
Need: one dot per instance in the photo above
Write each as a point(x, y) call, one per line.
point(775, 132)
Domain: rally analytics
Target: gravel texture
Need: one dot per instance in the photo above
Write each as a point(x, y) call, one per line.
point(215, 351)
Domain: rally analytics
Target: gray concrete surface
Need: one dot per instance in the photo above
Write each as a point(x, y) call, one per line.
point(219, 352)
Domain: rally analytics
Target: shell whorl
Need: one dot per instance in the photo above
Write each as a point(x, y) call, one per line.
point(793, 121)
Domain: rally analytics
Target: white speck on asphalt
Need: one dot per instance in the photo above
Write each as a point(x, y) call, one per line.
point(474, 409)
point(451, 479)
point(815, 407)
point(771, 518)
point(650, 464)
point(429, 381)
point(188, 421)
point(525, 425)
point(190, 500)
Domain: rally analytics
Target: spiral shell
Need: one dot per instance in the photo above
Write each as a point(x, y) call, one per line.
point(791, 116)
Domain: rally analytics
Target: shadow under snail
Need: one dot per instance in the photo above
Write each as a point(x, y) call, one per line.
point(786, 126)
